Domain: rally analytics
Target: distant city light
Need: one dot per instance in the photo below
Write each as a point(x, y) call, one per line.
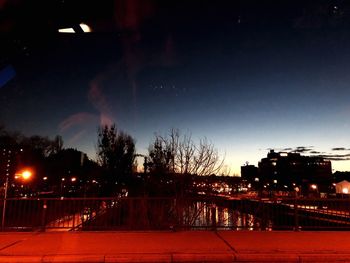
point(275, 181)
point(45, 178)
point(73, 179)
point(313, 186)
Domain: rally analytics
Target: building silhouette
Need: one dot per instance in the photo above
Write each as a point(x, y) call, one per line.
point(282, 171)
point(250, 175)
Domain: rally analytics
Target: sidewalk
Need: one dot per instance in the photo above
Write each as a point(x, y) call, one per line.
point(186, 246)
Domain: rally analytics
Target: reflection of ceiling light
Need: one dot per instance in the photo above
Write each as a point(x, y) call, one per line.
point(84, 27)
point(66, 30)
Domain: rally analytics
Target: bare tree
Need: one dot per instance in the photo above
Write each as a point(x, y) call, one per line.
point(176, 153)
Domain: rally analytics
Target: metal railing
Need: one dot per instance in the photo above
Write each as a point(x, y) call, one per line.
point(295, 214)
point(84, 214)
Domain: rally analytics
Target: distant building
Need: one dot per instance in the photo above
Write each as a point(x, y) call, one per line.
point(249, 172)
point(288, 171)
point(342, 187)
point(250, 175)
point(8, 166)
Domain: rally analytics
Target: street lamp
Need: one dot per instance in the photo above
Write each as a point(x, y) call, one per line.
point(25, 175)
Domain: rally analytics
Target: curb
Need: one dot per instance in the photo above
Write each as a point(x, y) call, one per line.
point(180, 258)
point(271, 257)
point(73, 258)
point(324, 257)
point(139, 258)
point(24, 259)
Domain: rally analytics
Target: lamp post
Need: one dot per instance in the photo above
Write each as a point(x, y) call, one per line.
point(25, 175)
point(4, 203)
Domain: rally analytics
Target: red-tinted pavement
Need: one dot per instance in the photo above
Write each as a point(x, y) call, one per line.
point(186, 246)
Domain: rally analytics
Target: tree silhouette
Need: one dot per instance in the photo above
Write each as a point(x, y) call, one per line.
point(116, 152)
point(180, 154)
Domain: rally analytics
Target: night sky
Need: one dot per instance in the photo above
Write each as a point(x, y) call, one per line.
point(248, 75)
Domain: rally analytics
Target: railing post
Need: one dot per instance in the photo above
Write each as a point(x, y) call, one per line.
point(296, 218)
point(43, 216)
point(4, 204)
point(213, 217)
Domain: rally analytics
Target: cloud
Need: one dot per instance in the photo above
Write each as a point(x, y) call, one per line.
point(315, 152)
point(287, 149)
point(302, 149)
point(336, 157)
point(309, 150)
point(339, 149)
point(299, 149)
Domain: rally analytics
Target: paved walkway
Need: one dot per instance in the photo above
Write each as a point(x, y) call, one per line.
point(186, 246)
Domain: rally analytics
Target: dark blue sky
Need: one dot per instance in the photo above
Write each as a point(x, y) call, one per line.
point(248, 75)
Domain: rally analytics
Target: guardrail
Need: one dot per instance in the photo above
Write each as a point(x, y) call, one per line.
point(84, 214)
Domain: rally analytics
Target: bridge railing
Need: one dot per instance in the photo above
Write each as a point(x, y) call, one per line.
point(295, 213)
point(83, 214)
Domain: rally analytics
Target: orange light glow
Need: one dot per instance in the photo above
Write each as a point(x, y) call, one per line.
point(26, 174)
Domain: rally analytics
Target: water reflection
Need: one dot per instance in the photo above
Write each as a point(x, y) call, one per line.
point(204, 214)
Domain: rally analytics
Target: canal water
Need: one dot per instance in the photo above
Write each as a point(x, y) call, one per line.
point(207, 215)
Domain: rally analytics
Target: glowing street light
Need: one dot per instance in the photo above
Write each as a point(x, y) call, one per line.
point(26, 174)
